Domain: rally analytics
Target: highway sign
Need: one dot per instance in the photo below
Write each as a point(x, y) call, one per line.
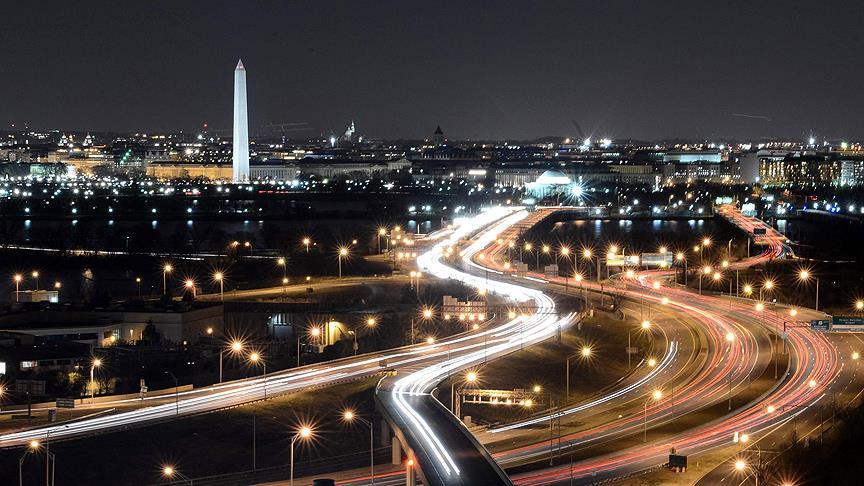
point(65, 403)
point(820, 324)
point(847, 323)
point(657, 259)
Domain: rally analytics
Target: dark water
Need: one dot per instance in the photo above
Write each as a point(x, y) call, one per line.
point(636, 236)
point(189, 235)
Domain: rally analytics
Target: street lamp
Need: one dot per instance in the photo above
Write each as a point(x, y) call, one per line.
point(35, 275)
point(235, 347)
point(471, 378)
point(306, 242)
point(17, 278)
point(584, 353)
point(166, 269)
point(767, 285)
point(343, 252)
point(304, 433)
point(656, 395)
point(255, 358)
point(169, 472)
point(381, 232)
point(32, 448)
point(95, 363)
point(804, 276)
point(349, 416)
point(220, 277)
point(190, 286)
point(248, 244)
point(284, 264)
point(138, 282)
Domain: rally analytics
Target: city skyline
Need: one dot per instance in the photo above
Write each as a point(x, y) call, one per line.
point(705, 72)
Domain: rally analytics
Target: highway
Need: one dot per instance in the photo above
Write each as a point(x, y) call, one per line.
point(736, 350)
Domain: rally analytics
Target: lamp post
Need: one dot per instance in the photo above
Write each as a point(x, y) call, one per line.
point(705, 271)
point(680, 257)
point(248, 244)
point(656, 395)
point(255, 358)
point(32, 448)
point(349, 416)
point(588, 254)
point(767, 285)
point(220, 277)
point(17, 278)
point(471, 378)
point(166, 269)
point(804, 276)
point(190, 286)
point(381, 232)
point(282, 262)
point(176, 392)
point(138, 282)
point(303, 434)
point(546, 249)
point(170, 472)
point(565, 252)
point(306, 242)
point(95, 363)
point(35, 275)
point(583, 353)
point(235, 348)
point(343, 252)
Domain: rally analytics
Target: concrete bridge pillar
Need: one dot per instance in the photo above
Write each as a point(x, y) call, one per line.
point(396, 452)
point(384, 433)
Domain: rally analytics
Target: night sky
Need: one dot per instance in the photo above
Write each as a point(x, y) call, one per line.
point(497, 69)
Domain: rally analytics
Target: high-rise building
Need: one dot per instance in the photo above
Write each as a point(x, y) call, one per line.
point(241, 126)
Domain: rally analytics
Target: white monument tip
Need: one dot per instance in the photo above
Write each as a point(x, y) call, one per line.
point(239, 65)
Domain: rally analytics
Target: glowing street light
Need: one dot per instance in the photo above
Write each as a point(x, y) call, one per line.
point(306, 242)
point(220, 277)
point(656, 395)
point(859, 305)
point(35, 275)
point(235, 347)
point(95, 363)
point(343, 252)
point(255, 358)
point(190, 286)
point(170, 472)
point(17, 278)
point(350, 416)
point(303, 433)
point(805, 276)
point(166, 269)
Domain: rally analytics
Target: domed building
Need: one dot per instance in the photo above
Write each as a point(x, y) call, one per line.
point(552, 182)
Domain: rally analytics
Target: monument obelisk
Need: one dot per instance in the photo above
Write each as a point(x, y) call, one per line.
point(241, 126)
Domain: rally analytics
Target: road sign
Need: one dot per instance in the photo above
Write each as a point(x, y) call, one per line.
point(847, 323)
point(32, 387)
point(615, 260)
point(65, 403)
point(820, 324)
point(662, 260)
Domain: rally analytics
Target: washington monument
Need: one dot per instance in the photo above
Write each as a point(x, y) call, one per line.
point(241, 126)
